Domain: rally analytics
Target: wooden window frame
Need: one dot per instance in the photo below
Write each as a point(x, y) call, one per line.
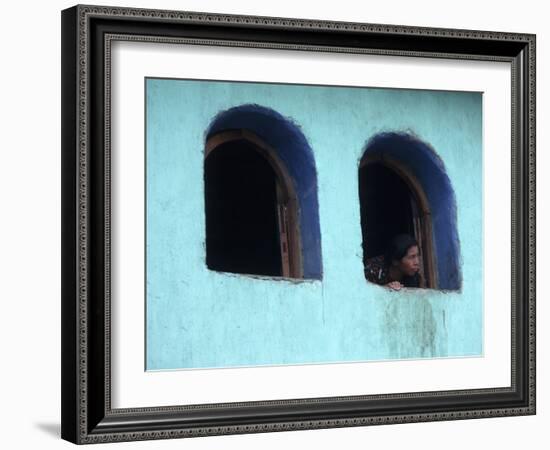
point(422, 218)
point(287, 200)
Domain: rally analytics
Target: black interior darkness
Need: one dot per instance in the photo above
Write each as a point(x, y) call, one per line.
point(386, 211)
point(242, 233)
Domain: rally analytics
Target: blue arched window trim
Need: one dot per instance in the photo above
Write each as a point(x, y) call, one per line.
point(422, 162)
point(293, 150)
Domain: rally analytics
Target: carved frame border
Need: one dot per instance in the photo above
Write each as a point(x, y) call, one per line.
point(86, 323)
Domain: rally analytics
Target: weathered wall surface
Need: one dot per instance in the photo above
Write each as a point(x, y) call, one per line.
point(201, 318)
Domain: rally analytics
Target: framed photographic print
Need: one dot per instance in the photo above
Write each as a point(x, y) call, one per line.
point(280, 224)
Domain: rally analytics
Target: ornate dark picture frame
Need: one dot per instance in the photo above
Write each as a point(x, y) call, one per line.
point(87, 414)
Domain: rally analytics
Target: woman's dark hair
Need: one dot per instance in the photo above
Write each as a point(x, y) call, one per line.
point(397, 249)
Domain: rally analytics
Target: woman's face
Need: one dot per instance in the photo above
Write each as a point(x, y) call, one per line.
point(409, 265)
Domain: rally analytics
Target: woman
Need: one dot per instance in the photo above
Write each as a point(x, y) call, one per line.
point(399, 267)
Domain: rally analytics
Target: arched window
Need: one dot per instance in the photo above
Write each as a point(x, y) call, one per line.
point(393, 203)
point(403, 188)
point(261, 196)
point(251, 214)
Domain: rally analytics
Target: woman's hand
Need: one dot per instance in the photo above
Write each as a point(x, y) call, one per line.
point(395, 285)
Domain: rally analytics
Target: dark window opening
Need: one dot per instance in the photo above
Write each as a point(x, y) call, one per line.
point(247, 212)
point(252, 224)
point(281, 142)
point(389, 207)
point(386, 209)
point(408, 168)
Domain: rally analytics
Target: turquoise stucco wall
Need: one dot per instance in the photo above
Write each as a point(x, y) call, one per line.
point(200, 318)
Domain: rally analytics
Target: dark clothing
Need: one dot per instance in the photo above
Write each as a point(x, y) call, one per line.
point(377, 271)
